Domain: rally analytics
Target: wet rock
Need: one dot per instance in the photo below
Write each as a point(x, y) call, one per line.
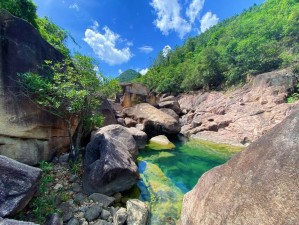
point(160, 142)
point(18, 184)
point(93, 212)
point(53, 219)
point(137, 212)
point(102, 199)
point(120, 217)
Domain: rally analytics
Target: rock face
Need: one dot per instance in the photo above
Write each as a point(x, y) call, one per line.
point(257, 186)
point(155, 121)
point(106, 110)
point(18, 183)
point(109, 165)
point(241, 116)
point(134, 93)
point(170, 102)
point(26, 133)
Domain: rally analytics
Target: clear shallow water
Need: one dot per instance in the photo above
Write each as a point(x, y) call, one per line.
point(167, 175)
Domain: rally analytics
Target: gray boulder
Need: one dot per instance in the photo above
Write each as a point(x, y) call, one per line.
point(18, 183)
point(109, 165)
point(139, 136)
point(137, 212)
point(93, 212)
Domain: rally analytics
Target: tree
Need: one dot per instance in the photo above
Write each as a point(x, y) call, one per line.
point(68, 90)
point(53, 34)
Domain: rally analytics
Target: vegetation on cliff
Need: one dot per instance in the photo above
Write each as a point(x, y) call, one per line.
point(68, 90)
point(26, 10)
point(262, 38)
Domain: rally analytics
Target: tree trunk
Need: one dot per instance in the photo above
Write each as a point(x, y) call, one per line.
point(72, 155)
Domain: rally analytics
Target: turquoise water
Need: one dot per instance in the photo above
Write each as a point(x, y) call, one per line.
point(167, 175)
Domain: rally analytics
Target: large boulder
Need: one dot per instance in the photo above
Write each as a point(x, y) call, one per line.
point(155, 121)
point(106, 109)
point(260, 185)
point(109, 165)
point(18, 184)
point(27, 134)
point(170, 102)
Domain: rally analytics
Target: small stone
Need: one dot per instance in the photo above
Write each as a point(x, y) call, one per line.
point(103, 199)
point(113, 210)
point(120, 217)
point(73, 221)
point(137, 212)
point(117, 197)
point(53, 219)
point(105, 214)
point(100, 222)
point(74, 178)
point(93, 212)
point(58, 186)
point(64, 158)
point(67, 211)
point(79, 197)
point(76, 187)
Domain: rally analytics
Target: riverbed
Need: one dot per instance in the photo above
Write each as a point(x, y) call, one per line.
point(167, 175)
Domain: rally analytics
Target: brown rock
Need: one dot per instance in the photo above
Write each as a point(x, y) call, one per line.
point(260, 185)
point(245, 113)
point(155, 121)
point(170, 112)
point(26, 133)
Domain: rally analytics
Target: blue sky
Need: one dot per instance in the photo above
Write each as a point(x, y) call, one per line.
point(128, 34)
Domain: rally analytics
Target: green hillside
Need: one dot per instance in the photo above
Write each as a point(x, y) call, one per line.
point(128, 76)
point(262, 38)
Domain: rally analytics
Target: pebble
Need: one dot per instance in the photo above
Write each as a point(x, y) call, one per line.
point(73, 221)
point(93, 212)
point(58, 186)
point(105, 214)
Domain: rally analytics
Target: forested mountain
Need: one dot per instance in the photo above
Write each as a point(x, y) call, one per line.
point(261, 39)
point(128, 76)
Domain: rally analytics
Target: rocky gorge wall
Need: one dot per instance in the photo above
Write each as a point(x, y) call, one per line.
point(27, 134)
point(241, 116)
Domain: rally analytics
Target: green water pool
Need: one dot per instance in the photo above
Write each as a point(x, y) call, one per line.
point(167, 175)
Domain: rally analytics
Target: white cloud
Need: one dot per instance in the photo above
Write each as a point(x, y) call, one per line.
point(143, 71)
point(119, 71)
point(74, 6)
point(104, 45)
point(194, 9)
point(146, 49)
point(168, 17)
point(207, 21)
point(166, 50)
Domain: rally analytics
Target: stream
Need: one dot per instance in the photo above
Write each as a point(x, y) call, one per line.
point(167, 175)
